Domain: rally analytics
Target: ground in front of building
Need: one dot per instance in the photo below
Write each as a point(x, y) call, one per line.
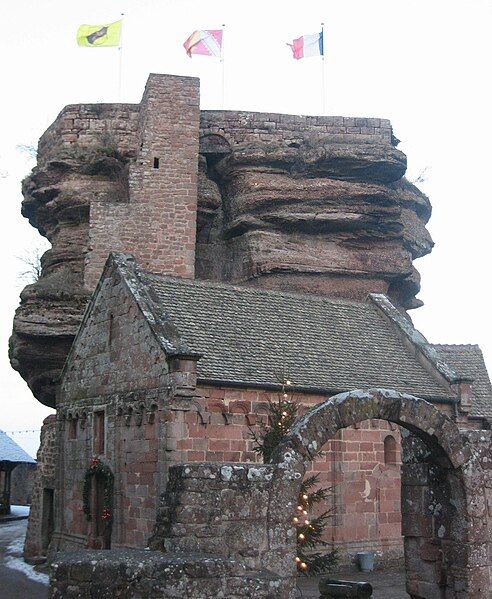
point(387, 584)
point(18, 580)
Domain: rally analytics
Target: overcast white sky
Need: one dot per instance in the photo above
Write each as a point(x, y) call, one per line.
point(424, 64)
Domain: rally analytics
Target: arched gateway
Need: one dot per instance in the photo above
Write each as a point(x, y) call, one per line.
point(444, 518)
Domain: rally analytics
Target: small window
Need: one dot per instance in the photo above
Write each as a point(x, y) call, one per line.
point(156, 162)
point(98, 432)
point(390, 450)
point(72, 429)
point(111, 330)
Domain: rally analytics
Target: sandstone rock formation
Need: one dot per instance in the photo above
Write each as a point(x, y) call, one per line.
point(330, 215)
point(314, 204)
point(57, 197)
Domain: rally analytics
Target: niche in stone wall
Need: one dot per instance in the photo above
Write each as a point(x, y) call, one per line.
point(391, 457)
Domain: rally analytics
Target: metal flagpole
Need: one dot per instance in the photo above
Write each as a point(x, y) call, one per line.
point(223, 65)
point(323, 107)
point(120, 50)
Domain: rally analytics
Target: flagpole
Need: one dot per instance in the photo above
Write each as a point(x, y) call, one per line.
point(323, 107)
point(223, 65)
point(120, 67)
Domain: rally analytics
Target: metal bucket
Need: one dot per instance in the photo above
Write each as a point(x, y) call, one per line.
point(366, 561)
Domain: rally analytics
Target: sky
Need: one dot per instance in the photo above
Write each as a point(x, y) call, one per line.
point(424, 64)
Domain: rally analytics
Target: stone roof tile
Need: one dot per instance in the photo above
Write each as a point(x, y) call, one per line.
point(254, 337)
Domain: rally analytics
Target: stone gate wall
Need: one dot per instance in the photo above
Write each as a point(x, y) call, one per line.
point(37, 540)
point(216, 508)
point(365, 496)
point(242, 515)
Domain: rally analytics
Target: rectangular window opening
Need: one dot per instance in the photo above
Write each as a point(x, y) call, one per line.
point(72, 429)
point(156, 162)
point(98, 431)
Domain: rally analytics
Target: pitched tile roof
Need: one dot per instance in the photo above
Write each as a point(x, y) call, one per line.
point(11, 452)
point(467, 360)
point(251, 336)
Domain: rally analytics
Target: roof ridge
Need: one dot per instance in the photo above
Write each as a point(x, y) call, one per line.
point(476, 345)
point(256, 290)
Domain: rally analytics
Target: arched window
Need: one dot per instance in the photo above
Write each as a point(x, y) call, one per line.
point(390, 450)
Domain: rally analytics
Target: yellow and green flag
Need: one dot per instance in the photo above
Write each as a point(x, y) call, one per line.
point(96, 36)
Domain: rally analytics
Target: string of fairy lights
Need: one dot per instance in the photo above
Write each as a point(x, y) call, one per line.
point(303, 498)
point(309, 528)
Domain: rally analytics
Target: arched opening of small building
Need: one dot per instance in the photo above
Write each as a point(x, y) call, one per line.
point(430, 529)
point(360, 468)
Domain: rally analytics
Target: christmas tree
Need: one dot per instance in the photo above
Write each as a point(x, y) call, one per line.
point(309, 528)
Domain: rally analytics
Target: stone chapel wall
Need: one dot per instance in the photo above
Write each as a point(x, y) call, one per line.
point(237, 517)
point(365, 501)
point(119, 371)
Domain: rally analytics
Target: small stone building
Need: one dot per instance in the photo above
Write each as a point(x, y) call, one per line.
point(167, 371)
point(13, 457)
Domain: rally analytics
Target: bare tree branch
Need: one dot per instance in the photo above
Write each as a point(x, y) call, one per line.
point(31, 260)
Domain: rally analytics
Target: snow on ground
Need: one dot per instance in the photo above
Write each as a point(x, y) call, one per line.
point(19, 510)
point(13, 559)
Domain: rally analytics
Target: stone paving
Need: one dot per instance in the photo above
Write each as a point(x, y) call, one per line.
point(387, 584)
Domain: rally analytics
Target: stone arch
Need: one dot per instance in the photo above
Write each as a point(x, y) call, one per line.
point(319, 425)
point(214, 144)
point(436, 527)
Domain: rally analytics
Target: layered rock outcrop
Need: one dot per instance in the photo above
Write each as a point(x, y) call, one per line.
point(327, 214)
point(313, 204)
point(73, 169)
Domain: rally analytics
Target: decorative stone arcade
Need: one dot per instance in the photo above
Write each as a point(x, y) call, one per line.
point(226, 529)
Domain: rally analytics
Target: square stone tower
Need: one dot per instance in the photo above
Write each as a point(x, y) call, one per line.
point(157, 220)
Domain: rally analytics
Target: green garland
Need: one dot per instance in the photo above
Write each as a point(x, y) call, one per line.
point(98, 468)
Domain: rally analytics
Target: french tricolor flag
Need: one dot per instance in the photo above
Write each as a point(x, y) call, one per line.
point(308, 45)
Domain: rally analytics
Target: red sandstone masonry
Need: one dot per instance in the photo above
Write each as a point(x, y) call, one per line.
point(241, 127)
point(92, 125)
point(127, 381)
point(150, 426)
point(158, 225)
point(366, 496)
